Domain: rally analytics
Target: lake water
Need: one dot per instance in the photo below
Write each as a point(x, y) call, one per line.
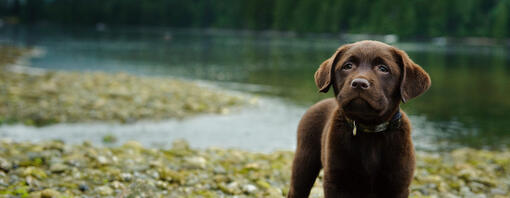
point(467, 105)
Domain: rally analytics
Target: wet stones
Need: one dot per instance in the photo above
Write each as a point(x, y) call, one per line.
point(54, 97)
point(104, 190)
point(49, 193)
point(5, 165)
point(83, 187)
point(132, 170)
point(58, 168)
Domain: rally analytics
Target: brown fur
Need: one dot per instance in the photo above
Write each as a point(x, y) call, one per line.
point(368, 164)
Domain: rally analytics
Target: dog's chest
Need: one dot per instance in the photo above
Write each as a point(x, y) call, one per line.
point(363, 154)
point(366, 154)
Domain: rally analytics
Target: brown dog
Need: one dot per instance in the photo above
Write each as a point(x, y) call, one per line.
point(361, 138)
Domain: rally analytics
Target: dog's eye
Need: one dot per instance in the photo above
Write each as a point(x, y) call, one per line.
point(383, 68)
point(347, 66)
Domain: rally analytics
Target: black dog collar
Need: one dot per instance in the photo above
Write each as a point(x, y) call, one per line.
point(393, 123)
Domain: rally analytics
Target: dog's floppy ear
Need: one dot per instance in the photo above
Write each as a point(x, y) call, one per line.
point(324, 75)
point(414, 80)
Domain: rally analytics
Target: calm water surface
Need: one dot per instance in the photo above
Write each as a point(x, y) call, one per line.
point(467, 105)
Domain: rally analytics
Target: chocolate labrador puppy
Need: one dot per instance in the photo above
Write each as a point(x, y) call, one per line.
point(360, 138)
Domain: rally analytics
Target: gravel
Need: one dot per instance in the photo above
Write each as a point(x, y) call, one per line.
point(56, 169)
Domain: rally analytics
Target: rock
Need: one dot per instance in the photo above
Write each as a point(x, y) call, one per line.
point(49, 193)
point(467, 174)
point(5, 165)
point(58, 168)
point(249, 188)
point(51, 97)
point(232, 188)
point(263, 184)
point(274, 192)
point(3, 183)
point(156, 164)
point(154, 174)
point(30, 181)
point(476, 187)
point(180, 144)
point(83, 187)
point(448, 195)
point(466, 192)
point(36, 172)
point(104, 190)
point(126, 177)
point(196, 162)
point(316, 192)
point(217, 172)
point(480, 196)
point(498, 191)
point(169, 175)
point(117, 185)
point(133, 144)
point(102, 160)
point(161, 184)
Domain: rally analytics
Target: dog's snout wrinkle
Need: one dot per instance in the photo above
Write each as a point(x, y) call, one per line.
point(360, 83)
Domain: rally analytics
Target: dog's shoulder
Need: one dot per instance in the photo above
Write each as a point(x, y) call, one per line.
point(322, 109)
point(316, 117)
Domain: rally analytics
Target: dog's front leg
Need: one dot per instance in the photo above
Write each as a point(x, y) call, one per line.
point(333, 191)
point(305, 168)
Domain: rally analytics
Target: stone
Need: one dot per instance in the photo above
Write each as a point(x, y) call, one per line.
point(196, 162)
point(102, 160)
point(132, 144)
point(249, 188)
point(226, 173)
point(466, 192)
point(448, 195)
point(180, 144)
point(233, 188)
point(127, 177)
point(476, 187)
point(36, 172)
point(117, 185)
point(5, 165)
point(83, 187)
point(49, 193)
point(58, 168)
point(498, 191)
point(104, 190)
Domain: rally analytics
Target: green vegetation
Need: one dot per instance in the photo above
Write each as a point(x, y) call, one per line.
point(51, 97)
point(55, 169)
point(406, 18)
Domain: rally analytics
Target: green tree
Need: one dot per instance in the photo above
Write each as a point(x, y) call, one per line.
point(499, 27)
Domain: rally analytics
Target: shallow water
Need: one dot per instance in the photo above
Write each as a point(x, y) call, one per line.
point(467, 105)
point(267, 126)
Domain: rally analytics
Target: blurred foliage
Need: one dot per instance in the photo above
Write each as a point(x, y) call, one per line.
point(417, 18)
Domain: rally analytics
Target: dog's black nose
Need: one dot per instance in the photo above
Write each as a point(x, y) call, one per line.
point(360, 83)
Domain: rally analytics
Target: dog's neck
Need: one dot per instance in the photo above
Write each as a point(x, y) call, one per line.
point(384, 124)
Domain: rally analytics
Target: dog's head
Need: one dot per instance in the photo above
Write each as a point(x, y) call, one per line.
point(370, 78)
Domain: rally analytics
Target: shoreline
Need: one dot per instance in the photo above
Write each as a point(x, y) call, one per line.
point(38, 97)
point(56, 169)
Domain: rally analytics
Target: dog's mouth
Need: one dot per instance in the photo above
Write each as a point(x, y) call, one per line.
point(359, 106)
point(362, 106)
